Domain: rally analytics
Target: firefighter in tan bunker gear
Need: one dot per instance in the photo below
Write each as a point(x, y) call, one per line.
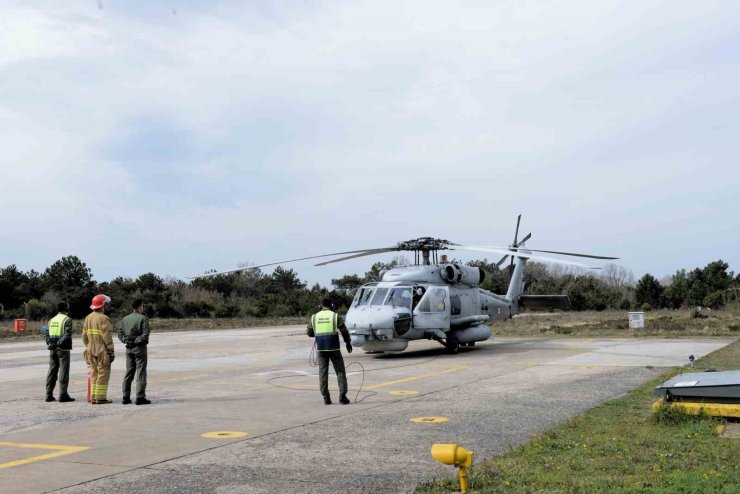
point(97, 335)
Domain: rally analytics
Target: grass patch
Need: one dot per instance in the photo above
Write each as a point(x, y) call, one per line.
point(619, 446)
point(661, 323)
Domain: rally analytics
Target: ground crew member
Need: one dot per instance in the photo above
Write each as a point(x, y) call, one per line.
point(97, 335)
point(325, 326)
point(59, 343)
point(134, 332)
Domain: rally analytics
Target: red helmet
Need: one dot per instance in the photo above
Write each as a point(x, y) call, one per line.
point(99, 301)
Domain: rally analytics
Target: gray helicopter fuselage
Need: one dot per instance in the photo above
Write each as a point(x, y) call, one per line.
point(424, 302)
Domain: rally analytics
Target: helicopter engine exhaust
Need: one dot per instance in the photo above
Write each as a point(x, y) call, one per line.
point(454, 273)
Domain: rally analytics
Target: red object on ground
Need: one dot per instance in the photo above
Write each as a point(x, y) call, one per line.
point(20, 326)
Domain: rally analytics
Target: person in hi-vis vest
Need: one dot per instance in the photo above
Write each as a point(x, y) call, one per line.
point(325, 327)
point(59, 343)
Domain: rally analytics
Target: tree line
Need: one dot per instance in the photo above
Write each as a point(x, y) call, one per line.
point(252, 293)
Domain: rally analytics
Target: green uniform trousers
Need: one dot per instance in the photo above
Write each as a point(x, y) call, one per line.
point(338, 362)
point(58, 365)
point(136, 359)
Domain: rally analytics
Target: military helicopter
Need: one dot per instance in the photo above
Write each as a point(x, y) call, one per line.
point(435, 299)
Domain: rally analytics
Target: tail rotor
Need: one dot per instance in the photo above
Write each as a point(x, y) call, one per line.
point(514, 247)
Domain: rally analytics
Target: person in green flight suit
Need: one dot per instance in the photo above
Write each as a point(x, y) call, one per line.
point(59, 343)
point(325, 327)
point(134, 333)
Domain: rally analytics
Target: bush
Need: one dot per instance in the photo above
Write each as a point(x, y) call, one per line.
point(167, 310)
point(226, 310)
point(197, 309)
point(714, 300)
point(645, 307)
point(37, 310)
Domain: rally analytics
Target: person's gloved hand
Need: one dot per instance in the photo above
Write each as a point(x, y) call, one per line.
point(129, 343)
point(137, 340)
point(51, 345)
point(112, 357)
point(309, 332)
point(349, 347)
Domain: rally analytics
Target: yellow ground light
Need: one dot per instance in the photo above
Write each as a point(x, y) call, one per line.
point(429, 420)
point(59, 451)
point(223, 434)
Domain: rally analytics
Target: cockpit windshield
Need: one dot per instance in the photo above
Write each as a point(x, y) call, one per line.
point(363, 296)
point(379, 296)
point(399, 297)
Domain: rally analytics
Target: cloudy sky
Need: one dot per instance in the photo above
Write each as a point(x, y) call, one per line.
point(177, 136)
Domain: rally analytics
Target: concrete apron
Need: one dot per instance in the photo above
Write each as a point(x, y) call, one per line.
point(258, 382)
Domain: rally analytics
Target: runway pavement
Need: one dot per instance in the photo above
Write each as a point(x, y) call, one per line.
point(255, 391)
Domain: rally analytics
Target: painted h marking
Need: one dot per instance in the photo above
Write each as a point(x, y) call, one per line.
point(58, 451)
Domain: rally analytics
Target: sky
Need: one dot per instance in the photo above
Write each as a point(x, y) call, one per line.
point(179, 136)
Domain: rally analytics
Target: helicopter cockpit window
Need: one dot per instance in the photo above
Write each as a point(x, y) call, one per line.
point(379, 296)
point(399, 297)
point(363, 297)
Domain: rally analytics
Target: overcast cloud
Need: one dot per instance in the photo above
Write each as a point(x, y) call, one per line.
point(178, 136)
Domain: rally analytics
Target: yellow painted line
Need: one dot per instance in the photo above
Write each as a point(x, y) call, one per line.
point(60, 451)
point(402, 392)
point(587, 367)
point(416, 378)
point(525, 363)
point(429, 420)
point(223, 434)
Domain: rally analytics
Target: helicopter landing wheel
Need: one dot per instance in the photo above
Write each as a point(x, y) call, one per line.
point(451, 344)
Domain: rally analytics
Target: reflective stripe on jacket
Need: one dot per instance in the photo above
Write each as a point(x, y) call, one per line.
point(97, 334)
point(326, 329)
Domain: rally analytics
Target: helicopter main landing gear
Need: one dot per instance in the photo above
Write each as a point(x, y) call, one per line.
point(452, 346)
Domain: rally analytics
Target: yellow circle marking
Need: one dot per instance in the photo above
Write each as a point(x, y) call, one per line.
point(402, 392)
point(429, 420)
point(223, 434)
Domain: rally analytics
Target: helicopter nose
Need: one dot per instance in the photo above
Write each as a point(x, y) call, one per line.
point(376, 323)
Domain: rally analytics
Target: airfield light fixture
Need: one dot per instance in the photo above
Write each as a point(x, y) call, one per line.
point(457, 456)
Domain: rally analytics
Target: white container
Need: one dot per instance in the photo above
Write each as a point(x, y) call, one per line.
point(637, 320)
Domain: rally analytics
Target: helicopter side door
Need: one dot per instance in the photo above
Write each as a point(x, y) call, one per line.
point(433, 310)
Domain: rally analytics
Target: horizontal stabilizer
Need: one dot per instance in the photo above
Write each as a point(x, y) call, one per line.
point(539, 302)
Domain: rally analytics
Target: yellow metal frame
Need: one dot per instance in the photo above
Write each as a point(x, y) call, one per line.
point(59, 451)
point(711, 409)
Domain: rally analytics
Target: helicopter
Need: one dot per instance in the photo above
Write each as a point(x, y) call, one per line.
point(435, 299)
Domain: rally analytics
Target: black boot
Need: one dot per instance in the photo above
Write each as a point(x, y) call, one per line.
point(50, 398)
point(65, 398)
point(344, 400)
point(126, 400)
point(327, 400)
point(142, 401)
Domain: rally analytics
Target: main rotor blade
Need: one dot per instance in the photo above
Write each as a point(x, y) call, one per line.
point(363, 254)
point(523, 254)
point(516, 232)
point(574, 254)
point(208, 275)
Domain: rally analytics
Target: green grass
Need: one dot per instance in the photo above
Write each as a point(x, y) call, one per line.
point(661, 323)
point(619, 446)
